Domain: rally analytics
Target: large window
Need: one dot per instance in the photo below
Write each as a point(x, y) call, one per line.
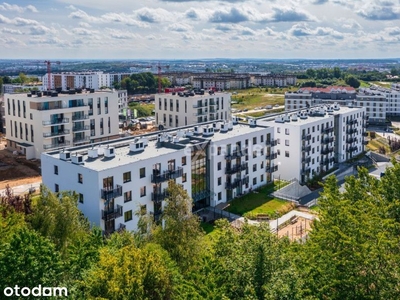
point(128, 215)
point(127, 177)
point(142, 191)
point(56, 170)
point(80, 178)
point(128, 196)
point(142, 172)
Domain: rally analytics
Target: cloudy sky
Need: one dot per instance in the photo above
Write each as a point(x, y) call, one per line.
point(185, 29)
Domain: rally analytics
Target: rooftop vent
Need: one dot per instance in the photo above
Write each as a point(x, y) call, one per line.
point(286, 118)
point(92, 153)
point(303, 115)
point(294, 117)
point(224, 127)
point(336, 106)
point(136, 146)
point(65, 155)
point(230, 125)
point(279, 119)
point(77, 159)
point(196, 130)
point(109, 152)
point(252, 122)
point(217, 126)
point(208, 131)
point(235, 120)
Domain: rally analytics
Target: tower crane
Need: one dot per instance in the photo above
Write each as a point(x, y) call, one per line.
point(48, 63)
point(159, 68)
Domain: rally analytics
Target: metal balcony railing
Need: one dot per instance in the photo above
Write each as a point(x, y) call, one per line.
point(59, 133)
point(306, 160)
point(351, 122)
point(80, 117)
point(327, 140)
point(111, 192)
point(351, 131)
point(306, 148)
point(108, 215)
point(327, 150)
point(158, 177)
point(236, 169)
point(56, 145)
point(351, 140)
point(56, 122)
point(158, 196)
point(236, 183)
point(352, 149)
point(81, 128)
point(271, 155)
point(305, 171)
point(327, 130)
point(306, 137)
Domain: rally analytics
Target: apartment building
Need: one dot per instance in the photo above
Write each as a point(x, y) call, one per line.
point(88, 80)
point(311, 141)
point(375, 102)
point(221, 81)
point(214, 162)
point(184, 108)
point(122, 99)
point(278, 80)
point(307, 96)
point(42, 121)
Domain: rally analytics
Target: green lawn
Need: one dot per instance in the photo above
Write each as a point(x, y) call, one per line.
point(258, 202)
point(207, 227)
point(257, 97)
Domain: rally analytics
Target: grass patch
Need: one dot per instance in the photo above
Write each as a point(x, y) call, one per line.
point(207, 227)
point(258, 202)
point(375, 144)
point(260, 97)
point(315, 208)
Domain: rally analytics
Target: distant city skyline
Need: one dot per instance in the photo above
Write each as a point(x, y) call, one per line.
point(188, 29)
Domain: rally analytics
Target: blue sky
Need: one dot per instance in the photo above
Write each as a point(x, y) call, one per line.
point(186, 29)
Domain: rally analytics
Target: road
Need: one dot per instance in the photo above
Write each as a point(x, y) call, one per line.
point(22, 189)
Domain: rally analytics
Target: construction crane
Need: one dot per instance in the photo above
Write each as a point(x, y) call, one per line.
point(159, 68)
point(48, 63)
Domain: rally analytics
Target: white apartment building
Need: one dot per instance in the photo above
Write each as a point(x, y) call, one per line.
point(122, 99)
point(310, 142)
point(214, 163)
point(375, 102)
point(273, 80)
point(88, 80)
point(39, 122)
point(307, 97)
point(181, 109)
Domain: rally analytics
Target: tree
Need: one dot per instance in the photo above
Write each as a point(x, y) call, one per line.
point(29, 260)
point(337, 73)
point(181, 234)
point(352, 81)
point(18, 203)
point(310, 73)
point(23, 78)
point(7, 80)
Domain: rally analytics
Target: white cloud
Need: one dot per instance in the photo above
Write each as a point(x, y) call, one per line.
point(11, 31)
point(15, 8)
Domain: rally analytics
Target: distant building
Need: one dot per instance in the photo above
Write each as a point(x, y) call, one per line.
point(375, 102)
point(184, 108)
point(43, 121)
point(274, 80)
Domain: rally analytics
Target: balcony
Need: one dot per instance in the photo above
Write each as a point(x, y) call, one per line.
point(110, 192)
point(235, 154)
point(54, 106)
point(364, 142)
point(56, 122)
point(305, 171)
point(306, 137)
point(54, 134)
point(365, 133)
point(157, 177)
point(332, 160)
point(327, 150)
point(56, 145)
point(79, 117)
point(236, 183)
point(327, 130)
point(108, 215)
point(271, 155)
point(324, 161)
point(80, 128)
point(351, 122)
point(158, 196)
point(306, 160)
point(351, 140)
point(306, 148)
point(198, 105)
point(327, 140)
point(236, 169)
point(351, 131)
point(81, 140)
point(352, 149)
point(274, 168)
point(212, 103)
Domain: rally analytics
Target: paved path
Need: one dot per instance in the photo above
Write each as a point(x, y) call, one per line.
point(21, 189)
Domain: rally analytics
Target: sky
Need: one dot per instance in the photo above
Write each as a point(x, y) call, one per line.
point(195, 29)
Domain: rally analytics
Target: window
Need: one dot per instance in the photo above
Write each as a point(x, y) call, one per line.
point(262, 139)
point(246, 142)
point(254, 140)
point(254, 180)
point(219, 181)
point(254, 167)
point(262, 178)
point(128, 196)
point(254, 154)
point(278, 130)
point(184, 177)
point(142, 191)
point(287, 131)
point(56, 188)
point(142, 172)
point(219, 151)
point(128, 215)
point(127, 177)
point(56, 170)
point(183, 160)
point(286, 153)
point(278, 152)
point(80, 198)
point(219, 166)
point(286, 142)
point(262, 165)
point(278, 141)
point(219, 196)
point(80, 178)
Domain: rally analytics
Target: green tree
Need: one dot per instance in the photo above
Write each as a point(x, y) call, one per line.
point(352, 81)
point(7, 80)
point(337, 73)
point(311, 73)
point(29, 260)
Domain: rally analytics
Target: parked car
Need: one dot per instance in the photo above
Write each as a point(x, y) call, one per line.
point(276, 105)
point(268, 107)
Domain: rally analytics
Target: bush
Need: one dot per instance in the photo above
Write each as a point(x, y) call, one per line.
point(372, 134)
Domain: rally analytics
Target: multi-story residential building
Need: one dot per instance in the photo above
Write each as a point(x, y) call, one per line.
point(38, 122)
point(279, 80)
point(375, 102)
point(221, 81)
point(214, 162)
point(309, 142)
point(183, 108)
point(13, 88)
point(307, 96)
point(122, 99)
point(88, 80)
point(179, 78)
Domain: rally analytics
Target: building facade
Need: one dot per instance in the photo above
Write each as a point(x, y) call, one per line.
point(214, 162)
point(181, 109)
point(39, 122)
point(310, 142)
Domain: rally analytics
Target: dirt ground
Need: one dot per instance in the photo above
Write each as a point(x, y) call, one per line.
point(16, 170)
point(297, 230)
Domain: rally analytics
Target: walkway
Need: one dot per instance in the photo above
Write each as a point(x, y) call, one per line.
point(22, 189)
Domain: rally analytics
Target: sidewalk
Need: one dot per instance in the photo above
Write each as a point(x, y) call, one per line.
point(22, 189)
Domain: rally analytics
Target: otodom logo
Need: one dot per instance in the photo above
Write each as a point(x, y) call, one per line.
point(37, 291)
